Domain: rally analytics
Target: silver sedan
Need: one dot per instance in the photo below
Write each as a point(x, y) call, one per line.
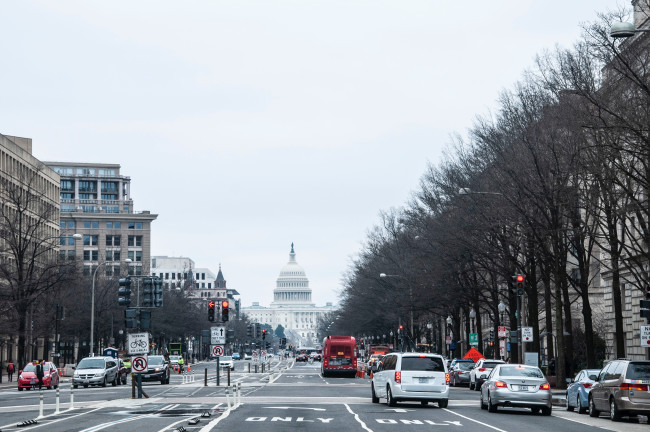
point(516, 385)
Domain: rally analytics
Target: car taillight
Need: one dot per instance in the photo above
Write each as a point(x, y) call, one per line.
point(398, 377)
point(545, 386)
point(587, 385)
point(631, 386)
point(447, 378)
point(481, 370)
point(500, 384)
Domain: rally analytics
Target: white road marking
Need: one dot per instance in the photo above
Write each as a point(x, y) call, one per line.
point(356, 417)
point(306, 408)
point(475, 421)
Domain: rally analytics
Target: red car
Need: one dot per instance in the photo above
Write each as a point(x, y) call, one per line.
point(27, 377)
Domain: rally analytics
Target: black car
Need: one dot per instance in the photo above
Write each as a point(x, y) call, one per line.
point(158, 370)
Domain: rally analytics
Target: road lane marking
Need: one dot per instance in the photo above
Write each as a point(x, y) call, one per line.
point(356, 417)
point(53, 421)
point(475, 421)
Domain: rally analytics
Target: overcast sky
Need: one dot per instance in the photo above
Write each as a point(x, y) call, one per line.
point(249, 125)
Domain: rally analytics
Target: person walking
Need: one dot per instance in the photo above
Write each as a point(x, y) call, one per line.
point(39, 373)
point(10, 370)
point(181, 363)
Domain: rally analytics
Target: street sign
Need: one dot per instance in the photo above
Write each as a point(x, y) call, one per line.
point(473, 339)
point(527, 334)
point(502, 332)
point(502, 347)
point(217, 350)
point(218, 335)
point(645, 336)
point(139, 364)
point(138, 343)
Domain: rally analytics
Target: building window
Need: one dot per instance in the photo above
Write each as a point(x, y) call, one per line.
point(88, 186)
point(117, 225)
point(71, 255)
point(203, 276)
point(166, 275)
point(135, 256)
point(113, 255)
point(90, 255)
point(209, 285)
point(90, 240)
point(173, 276)
point(135, 241)
point(112, 209)
point(135, 225)
point(113, 240)
point(67, 185)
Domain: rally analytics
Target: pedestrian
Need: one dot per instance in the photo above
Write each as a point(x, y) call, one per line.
point(39, 373)
point(10, 370)
point(181, 362)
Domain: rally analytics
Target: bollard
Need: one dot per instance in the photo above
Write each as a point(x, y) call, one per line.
point(239, 393)
point(228, 377)
point(132, 386)
point(255, 367)
point(228, 397)
point(57, 401)
point(205, 377)
point(249, 367)
point(40, 407)
point(71, 397)
point(262, 367)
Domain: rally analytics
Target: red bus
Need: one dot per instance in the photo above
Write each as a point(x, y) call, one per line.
point(339, 356)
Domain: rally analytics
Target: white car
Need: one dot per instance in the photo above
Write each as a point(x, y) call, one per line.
point(480, 372)
point(411, 377)
point(227, 362)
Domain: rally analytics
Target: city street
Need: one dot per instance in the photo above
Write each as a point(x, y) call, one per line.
point(292, 396)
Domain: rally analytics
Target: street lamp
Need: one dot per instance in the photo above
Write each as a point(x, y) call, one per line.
point(449, 323)
point(472, 316)
point(624, 30)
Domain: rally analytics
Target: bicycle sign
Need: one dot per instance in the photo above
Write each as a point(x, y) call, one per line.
point(138, 343)
point(139, 364)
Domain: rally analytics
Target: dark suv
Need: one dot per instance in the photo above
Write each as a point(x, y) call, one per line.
point(158, 369)
point(621, 389)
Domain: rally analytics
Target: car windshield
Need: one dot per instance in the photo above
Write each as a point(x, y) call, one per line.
point(593, 374)
point(432, 364)
point(638, 371)
point(226, 358)
point(519, 371)
point(29, 368)
point(173, 358)
point(155, 360)
point(490, 364)
point(465, 366)
point(91, 363)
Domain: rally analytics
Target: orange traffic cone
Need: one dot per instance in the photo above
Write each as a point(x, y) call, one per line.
point(370, 376)
point(188, 368)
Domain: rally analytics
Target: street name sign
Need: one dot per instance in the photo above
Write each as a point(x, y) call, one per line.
point(218, 335)
point(645, 336)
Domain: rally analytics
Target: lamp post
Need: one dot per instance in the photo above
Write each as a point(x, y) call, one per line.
point(502, 309)
point(449, 323)
point(472, 316)
point(384, 275)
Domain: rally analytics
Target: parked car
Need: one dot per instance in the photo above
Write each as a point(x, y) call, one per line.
point(95, 371)
point(577, 394)
point(157, 369)
point(27, 377)
point(173, 359)
point(621, 389)
point(411, 377)
point(459, 373)
point(226, 362)
point(480, 372)
point(122, 372)
point(516, 385)
point(247, 356)
point(236, 356)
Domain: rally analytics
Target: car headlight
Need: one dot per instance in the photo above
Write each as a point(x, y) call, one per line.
point(47, 376)
point(157, 369)
point(20, 376)
point(100, 374)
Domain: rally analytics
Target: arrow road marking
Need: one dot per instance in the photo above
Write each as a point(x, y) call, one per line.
point(305, 408)
point(399, 410)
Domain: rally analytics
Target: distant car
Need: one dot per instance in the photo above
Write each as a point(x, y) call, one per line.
point(95, 371)
point(301, 357)
point(411, 377)
point(236, 356)
point(27, 377)
point(577, 394)
point(459, 372)
point(173, 359)
point(516, 385)
point(480, 372)
point(158, 369)
point(373, 363)
point(226, 362)
point(247, 356)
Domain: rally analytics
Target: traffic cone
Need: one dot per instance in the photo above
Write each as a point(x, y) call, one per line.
point(189, 368)
point(370, 376)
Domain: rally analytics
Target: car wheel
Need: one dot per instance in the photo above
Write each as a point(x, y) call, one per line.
point(546, 411)
point(534, 410)
point(614, 413)
point(491, 408)
point(75, 386)
point(86, 386)
point(442, 403)
point(581, 409)
point(114, 382)
point(471, 385)
point(124, 380)
point(104, 382)
point(477, 386)
point(483, 405)
point(424, 403)
point(568, 404)
point(593, 412)
point(20, 389)
point(389, 398)
point(49, 387)
point(375, 399)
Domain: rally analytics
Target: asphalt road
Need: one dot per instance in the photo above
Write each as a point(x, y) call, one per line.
point(291, 397)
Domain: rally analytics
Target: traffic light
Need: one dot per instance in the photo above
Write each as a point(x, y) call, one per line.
point(157, 292)
point(145, 319)
point(230, 335)
point(131, 318)
point(264, 334)
point(258, 330)
point(224, 310)
point(519, 281)
point(124, 292)
point(249, 331)
point(211, 310)
point(491, 334)
point(268, 345)
point(147, 292)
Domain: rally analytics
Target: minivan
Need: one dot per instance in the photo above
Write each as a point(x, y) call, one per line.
point(411, 377)
point(95, 371)
point(621, 389)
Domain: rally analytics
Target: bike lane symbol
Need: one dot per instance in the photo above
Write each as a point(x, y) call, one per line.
point(139, 364)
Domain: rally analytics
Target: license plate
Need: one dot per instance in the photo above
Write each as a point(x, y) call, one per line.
point(423, 380)
point(86, 382)
point(32, 382)
point(147, 376)
point(523, 388)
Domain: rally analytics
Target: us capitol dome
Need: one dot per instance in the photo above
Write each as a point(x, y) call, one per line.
point(292, 306)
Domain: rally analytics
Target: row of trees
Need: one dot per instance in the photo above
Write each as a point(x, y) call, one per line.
point(554, 185)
